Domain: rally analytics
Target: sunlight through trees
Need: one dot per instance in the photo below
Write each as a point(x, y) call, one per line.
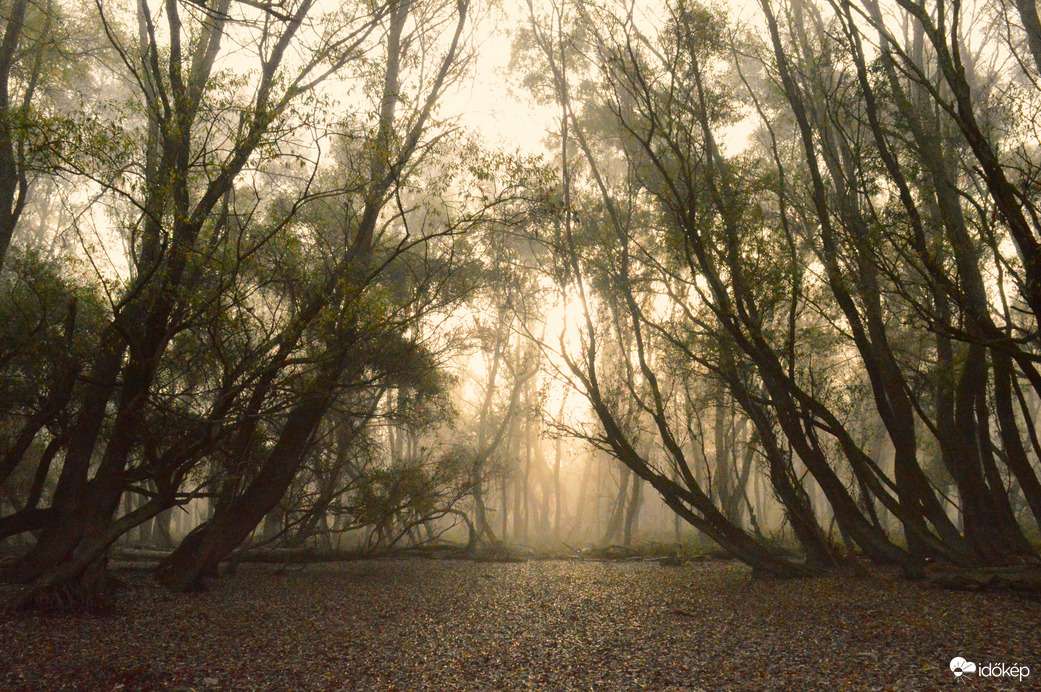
point(774, 285)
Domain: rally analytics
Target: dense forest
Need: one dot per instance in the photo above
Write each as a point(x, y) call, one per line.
point(774, 282)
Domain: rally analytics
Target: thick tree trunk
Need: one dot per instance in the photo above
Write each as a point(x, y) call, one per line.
point(1032, 27)
point(14, 183)
point(79, 580)
point(984, 528)
point(203, 549)
point(819, 552)
point(1015, 454)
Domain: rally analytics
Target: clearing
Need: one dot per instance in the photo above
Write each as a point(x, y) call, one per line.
point(410, 624)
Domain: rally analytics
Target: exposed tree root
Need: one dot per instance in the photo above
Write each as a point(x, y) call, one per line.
point(95, 596)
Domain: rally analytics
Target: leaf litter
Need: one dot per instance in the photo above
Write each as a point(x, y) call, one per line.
point(539, 625)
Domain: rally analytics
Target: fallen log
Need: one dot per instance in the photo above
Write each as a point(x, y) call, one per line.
point(1023, 579)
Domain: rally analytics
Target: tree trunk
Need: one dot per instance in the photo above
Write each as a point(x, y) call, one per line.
point(614, 521)
point(203, 549)
point(632, 513)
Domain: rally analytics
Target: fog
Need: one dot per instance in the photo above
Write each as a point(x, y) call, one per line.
point(285, 281)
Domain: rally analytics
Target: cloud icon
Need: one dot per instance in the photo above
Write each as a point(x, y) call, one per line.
point(959, 665)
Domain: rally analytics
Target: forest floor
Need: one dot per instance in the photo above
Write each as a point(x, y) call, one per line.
point(544, 625)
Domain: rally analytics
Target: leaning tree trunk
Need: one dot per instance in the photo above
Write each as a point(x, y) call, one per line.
point(203, 549)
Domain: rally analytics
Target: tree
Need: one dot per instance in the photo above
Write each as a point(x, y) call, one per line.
point(199, 138)
point(768, 268)
point(615, 272)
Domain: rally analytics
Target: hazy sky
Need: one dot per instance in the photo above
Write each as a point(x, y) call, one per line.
point(494, 102)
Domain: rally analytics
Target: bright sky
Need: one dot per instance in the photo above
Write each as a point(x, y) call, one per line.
point(492, 103)
point(496, 105)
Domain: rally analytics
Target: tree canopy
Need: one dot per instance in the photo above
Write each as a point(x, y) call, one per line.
point(251, 263)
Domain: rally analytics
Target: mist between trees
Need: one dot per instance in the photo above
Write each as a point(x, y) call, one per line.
point(260, 289)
